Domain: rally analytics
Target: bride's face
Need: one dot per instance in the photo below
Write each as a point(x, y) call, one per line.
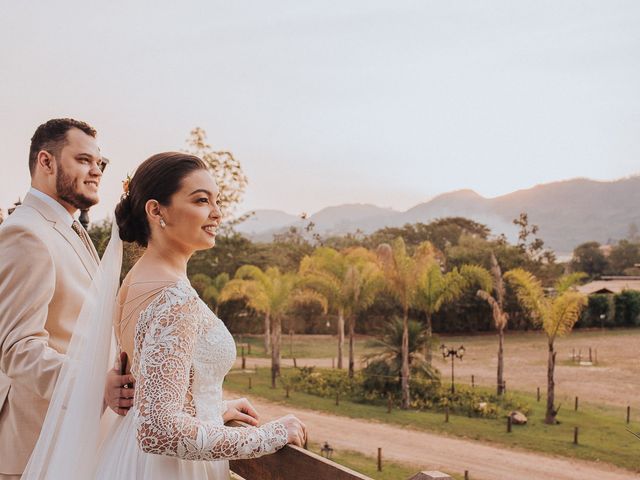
point(194, 215)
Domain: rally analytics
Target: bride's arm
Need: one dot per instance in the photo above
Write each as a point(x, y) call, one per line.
point(163, 427)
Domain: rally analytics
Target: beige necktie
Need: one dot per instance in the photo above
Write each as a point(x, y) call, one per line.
point(82, 234)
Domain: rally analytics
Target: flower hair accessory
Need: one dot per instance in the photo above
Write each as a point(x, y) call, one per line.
point(125, 186)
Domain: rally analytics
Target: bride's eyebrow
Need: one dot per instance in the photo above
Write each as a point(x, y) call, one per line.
point(200, 190)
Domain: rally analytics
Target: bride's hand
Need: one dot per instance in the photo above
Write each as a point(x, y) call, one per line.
point(242, 410)
point(296, 430)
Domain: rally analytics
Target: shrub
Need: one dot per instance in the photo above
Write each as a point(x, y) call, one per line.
point(376, 382)
point(599, 304)
point(326, 383)
point(627, 308)
point(478, 403)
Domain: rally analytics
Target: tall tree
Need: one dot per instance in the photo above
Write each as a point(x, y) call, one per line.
point(624, 256)
point(362, 282)
point(588, 258)
point(274, 294)
point(436, 288)
point(325, 270)
point(349, 280)
point(557, 314)
point(401, 272)
point(442, 233)
point(199, 282)
point(211, 293)
point(500, 317)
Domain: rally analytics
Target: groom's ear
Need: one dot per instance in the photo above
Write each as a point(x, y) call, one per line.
point(46, 162)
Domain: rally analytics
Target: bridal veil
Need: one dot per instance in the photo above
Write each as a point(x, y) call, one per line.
point(68, 443)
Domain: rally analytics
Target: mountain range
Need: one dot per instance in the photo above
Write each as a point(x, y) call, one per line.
point(568, 213)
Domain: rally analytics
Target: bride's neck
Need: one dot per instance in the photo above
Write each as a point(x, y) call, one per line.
point(171, 259)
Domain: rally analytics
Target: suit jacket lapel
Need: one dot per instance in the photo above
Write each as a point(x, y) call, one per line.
point(89, 259)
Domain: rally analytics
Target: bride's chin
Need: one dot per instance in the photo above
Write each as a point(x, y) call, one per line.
point(208, 244)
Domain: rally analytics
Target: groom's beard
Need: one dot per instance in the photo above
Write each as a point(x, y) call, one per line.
point(66, 187)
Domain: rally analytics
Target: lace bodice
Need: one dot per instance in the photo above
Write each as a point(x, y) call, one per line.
point(182, 353)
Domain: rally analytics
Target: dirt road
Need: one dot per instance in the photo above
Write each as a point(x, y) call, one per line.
point(435, 452)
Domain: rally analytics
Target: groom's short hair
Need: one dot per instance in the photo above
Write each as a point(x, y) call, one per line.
point(52, 137)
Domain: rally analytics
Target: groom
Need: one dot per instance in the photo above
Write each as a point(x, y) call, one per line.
point(47, 262)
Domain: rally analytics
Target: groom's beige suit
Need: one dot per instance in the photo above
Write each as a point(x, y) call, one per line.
point(45, 272)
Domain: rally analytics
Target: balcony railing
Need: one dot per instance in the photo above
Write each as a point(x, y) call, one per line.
point(295, 463)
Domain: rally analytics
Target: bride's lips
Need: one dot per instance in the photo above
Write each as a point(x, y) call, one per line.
point(210, 230)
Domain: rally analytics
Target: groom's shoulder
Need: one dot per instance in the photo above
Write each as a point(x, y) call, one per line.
point(25, 221)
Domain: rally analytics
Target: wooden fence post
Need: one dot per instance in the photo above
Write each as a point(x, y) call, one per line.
point(628, 413)
point(509, 421)
point(538, 394)
point(576, 404)
point(379, 459)
point(575, 435)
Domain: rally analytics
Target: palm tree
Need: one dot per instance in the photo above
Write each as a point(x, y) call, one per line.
point(500, 317)
point(557, 314)
point(383, 371)
point(435, 288)
point(350, 280)
point(211, 293)
point(389, 344)
point(200, 281)
point(274, 294)
point(325, 271)
point(401, 279)
point(251, 284)
point(363, 281)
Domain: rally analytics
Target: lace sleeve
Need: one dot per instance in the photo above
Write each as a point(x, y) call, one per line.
point(163, 425)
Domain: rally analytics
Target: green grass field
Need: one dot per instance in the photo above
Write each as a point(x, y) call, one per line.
point(602, 430)
point(369, 465)
point(303, 346)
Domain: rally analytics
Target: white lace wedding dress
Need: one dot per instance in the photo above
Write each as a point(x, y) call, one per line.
point(175, 430)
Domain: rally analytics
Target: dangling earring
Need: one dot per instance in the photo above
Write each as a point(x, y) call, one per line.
point(162, 223)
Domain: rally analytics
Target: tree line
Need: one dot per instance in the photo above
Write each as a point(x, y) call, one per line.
point(444, 273)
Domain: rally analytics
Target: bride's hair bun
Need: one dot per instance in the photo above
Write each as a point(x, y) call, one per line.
point(125, 219)
point(157, 178)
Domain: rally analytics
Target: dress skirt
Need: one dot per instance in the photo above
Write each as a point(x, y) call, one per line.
point(121, 458)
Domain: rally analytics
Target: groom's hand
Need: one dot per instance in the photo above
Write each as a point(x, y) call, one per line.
point(118, 391)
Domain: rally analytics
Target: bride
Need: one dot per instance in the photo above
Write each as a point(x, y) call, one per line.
point(180, 350)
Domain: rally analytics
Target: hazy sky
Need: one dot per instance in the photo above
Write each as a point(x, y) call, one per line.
point(337, 102)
